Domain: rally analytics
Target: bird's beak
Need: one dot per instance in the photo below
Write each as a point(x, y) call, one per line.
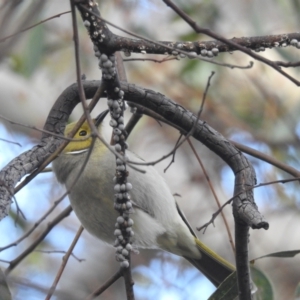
point(101, 117)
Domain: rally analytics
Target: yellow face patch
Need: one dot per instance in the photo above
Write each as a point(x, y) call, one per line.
point(83, 132)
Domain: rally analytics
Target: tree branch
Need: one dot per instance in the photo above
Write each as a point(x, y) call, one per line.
point(160, 105)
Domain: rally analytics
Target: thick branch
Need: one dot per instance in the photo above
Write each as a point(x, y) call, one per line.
point(28, 161)
point(242, 259)
point(245, 210)
point(107, 41)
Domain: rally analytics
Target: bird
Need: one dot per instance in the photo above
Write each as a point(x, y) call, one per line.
point(158, 221)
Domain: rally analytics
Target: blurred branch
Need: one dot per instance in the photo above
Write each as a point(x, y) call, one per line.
point(64, 263)
point(36, 224)
point(36, 159)
point(264, 41)
point(191, 49)
point(267, 158)
point(78, 72)
point(50, 226)
point(60, 251)
point(188, 134)
point(113, 279)
point(8, 21)
point(32, 26)
point(105, 286)
point(10, 142)
point(128, 281)
point(177, 145)
point(110, 75)
point(159, 61)
point(31, 285)
point(204, 170)
point(156, 102)
point(40, 130)
point(241, 227)
point(145, 45)
point(214, 194)
point(231, 66)
point(215, 214)
point(287, 64)
point(93, 128)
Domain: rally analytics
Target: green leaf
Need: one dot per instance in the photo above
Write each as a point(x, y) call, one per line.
point(286, 254)
point(263, 284)
point(227, 289)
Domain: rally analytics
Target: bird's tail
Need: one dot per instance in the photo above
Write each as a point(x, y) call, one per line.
point(213, 266)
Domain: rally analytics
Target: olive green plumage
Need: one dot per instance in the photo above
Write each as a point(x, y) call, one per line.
point(158, 221)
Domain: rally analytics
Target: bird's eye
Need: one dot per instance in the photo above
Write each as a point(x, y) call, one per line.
point(82, 133)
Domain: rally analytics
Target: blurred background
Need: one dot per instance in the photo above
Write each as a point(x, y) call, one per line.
point(257, 107)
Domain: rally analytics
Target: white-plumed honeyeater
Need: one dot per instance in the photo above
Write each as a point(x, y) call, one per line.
point(158, 221)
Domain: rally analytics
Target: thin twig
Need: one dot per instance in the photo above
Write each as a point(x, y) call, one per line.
point(128, 281)
point(214, 194)
point(287, 64)
point(218, 37)
point(105, 286)
point(19, 212)
point(10, 142)
point(66, 257)
point(231, 66)
point(205, 93)
point(36, 224)
point(188, 134)
point(94, 101)
point(50, 226)
point(64, 263)
point(34, 25)
point(159, 61)
point(267, 158)
point(215, 214)
point(173, 156)
point(78, 69)
point(61, 252)
point(44, 131)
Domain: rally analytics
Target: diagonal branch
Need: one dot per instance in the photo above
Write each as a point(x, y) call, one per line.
point(175, 115)
point(103, 38)
point(239, 203)
point(245, 209)
point(231, 43)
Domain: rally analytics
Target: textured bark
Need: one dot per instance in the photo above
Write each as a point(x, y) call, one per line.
point(104, 38)
point(244, 207)
point(105, 42)
point(242, 261)
point(28, 161)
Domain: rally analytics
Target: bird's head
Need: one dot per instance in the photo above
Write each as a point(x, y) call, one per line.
point(84, 131)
